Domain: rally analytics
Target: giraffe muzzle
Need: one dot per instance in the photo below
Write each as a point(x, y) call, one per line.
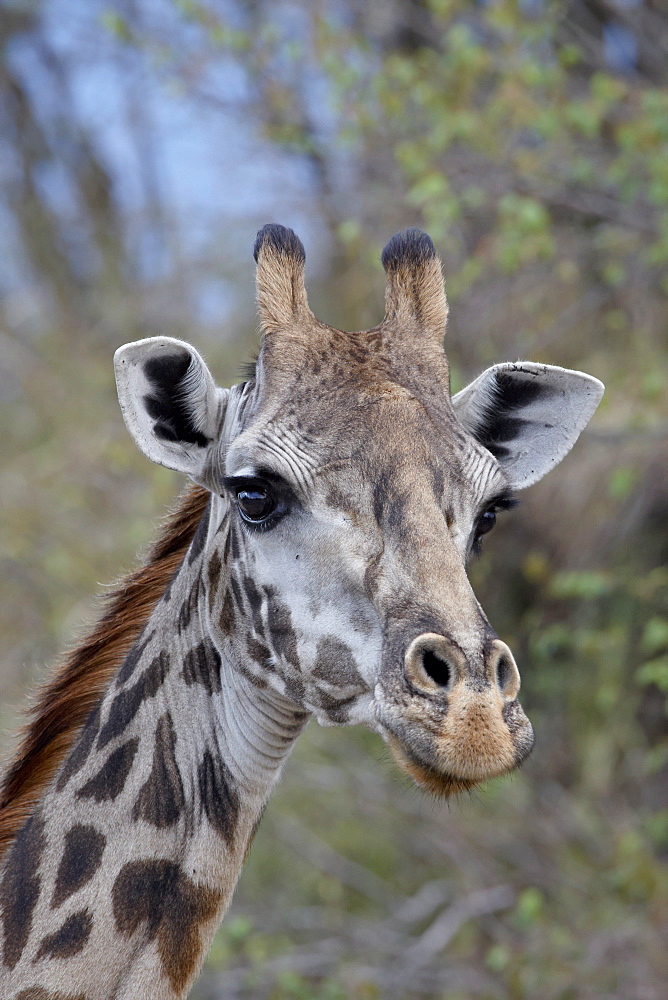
point(461, 722)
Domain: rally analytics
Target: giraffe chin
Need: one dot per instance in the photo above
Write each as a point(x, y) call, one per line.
point(449, 778)
point(441, 786)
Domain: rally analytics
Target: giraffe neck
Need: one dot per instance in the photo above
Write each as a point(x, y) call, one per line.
point(117, 883)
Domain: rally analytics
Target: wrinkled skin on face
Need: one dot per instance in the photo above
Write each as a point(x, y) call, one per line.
point(348, 492)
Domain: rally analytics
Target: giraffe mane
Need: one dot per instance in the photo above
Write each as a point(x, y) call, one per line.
point(64, 702)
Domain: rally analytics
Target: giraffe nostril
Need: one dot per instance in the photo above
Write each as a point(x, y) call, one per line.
point(436, 668)
point(502, 670)
point(434, 664)
point(503, 673)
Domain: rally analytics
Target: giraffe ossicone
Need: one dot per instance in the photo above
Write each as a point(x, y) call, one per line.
point(318, 568)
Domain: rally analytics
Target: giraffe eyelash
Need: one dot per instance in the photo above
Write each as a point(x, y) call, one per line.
point(503, 501)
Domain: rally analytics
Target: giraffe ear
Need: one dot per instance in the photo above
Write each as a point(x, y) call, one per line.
point(528, 415)
point(170, 403)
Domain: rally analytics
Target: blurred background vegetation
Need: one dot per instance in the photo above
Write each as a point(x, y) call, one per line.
point(143, 143)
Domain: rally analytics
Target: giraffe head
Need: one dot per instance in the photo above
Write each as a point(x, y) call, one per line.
point(348, 491)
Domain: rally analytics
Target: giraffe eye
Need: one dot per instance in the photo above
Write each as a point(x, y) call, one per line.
point(260, 500)
point(486, 523)
point(256, 504)
point(487, 520)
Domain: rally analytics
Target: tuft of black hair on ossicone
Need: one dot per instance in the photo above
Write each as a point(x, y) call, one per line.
point(409, 248)
point(281, 240)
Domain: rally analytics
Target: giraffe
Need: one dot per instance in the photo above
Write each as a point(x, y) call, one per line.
point(316, 568)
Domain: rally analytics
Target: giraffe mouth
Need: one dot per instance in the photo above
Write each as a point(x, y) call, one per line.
point(440, 785)
point(472, 744)
point(444, 783)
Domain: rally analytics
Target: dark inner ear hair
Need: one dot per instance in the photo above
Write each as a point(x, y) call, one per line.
point(500, 422)
point(173, 421)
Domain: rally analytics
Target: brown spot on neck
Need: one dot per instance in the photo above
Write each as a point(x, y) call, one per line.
point(20, 888)
point(108, 783)
point(69, 939)
point(84, 846)
point(156, 897)
point(161, 799)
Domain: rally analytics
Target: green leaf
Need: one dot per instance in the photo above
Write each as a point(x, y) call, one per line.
point(581, 584)
point(529, 907)
point(654, 672)
point(655, 635)
point(622, 481)
point(432, 186)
